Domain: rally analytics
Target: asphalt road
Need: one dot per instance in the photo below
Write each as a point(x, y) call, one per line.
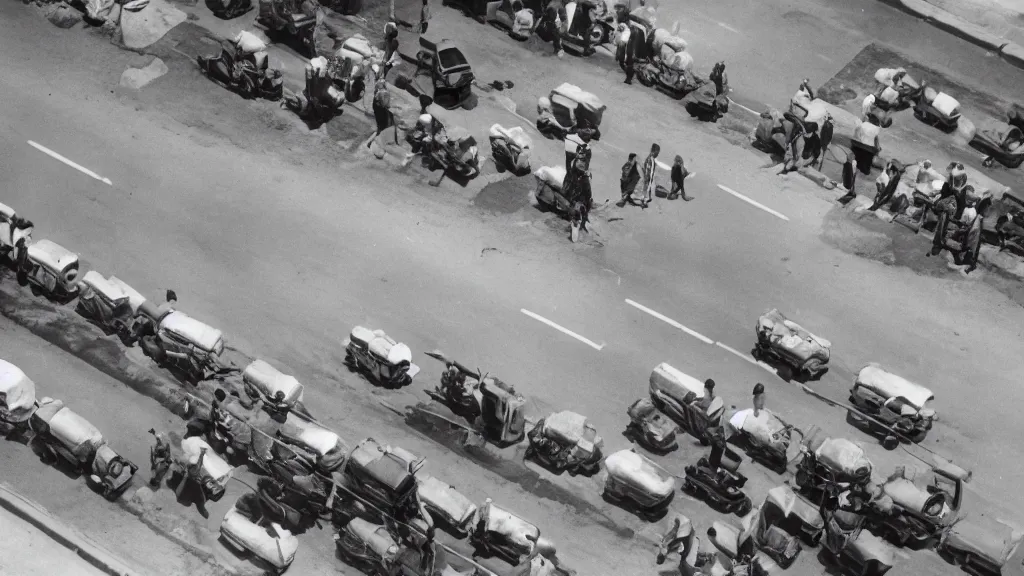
point(286, 254)
point(36, 553)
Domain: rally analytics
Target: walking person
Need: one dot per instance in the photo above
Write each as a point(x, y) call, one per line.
point(648, 174)
point(849, 179)
point(629, 179)
point(825, 138)
point(424, 16)
point(192, 484)
point(679, 176)
point(381, 107)
point(159, 459)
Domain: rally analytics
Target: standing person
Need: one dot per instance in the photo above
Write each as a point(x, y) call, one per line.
point(192, 483)
point(637, 37)
point(629, 179)
point(424, 16)
point(562, 26)
point(573, 141)
point(381, 107)
point(867, 134)
point(892, 175)
point(709, 395)
point(648, 174)
point(758, 399)
point(391, 54)
point(825, 138)
point(679, 176)
point(849, 179)
point(805, 87)
point(522, 25)
point(159, 459)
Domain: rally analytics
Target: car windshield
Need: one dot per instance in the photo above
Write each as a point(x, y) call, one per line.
point(451, 58)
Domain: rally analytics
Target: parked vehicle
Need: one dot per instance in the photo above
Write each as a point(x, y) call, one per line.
point(451, 74)
point(453, 152)
point(716, 480)
point(740, 548)
point(15, 236)
point(638, 484)
point(246, 530)
point(283, 501)
point(981, 548)
point(898, 91)
point(320, 100)
point(367, 546)
point(766, 437)
point(326, 447)
point(188, 345)
point(791, 345)
point(454, 512)
point(680, 397)
point(107, 303)
point(581, 38)
point(673, 77)
point(229, 9)
point(495, 405)
point(650, 428)
point(827, 460)
point(572, 107)
point(792, 513)
point(705, 103)
point(551, 196)
point(216, 473)
point(243, 66)
point(1001, 141)
point(566, 441)
point(938, 109)
point(17, 398)
point(52, 270)
point(298, 19)
point(383, 359)
point(852, 546)
point(510, 149)
point(504, 534)
point(925, 504)
point(275, 389)
point(384, 477)
point(895, 402)
point(350, 63)
point(68, 437)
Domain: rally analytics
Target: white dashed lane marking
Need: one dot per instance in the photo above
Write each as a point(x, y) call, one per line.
point(670, 322)
point(754, 203)
point(78, 167)
point(561, 329)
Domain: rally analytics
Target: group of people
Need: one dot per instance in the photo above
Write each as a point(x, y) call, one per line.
point(644, 175)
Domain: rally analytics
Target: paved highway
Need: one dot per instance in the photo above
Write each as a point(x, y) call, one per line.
point(287, 245)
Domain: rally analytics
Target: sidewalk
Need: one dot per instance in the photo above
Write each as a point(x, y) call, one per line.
point(1003, 18)
point(27, 551)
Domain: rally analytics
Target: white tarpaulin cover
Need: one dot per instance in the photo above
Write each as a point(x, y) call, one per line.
point(382, 346)
point(69, 427)
point(134, 298)
point(215, 466)
point(884, 75)
point(991, 540)
point(580, 96)
point(442, 496)
point(946, 104)
point(202, 335)
point(551, 175)
point(512, 527)
point(51, 255)
point(316, 437)
point(515, 134)
point(109, 290)
point(376, 537)
point(278, 551)
point(269, 380)
point(631, 468)
point(842, 455)
point(571, 428)
point(674, 383)
point(890, 385)
point(762, 427)
point(249, 43)
point(17, 393)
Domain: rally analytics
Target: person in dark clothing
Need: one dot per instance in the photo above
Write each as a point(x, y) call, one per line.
point(629, 179)
point(636, 39)
point(895, 170)
point(159, 459)
point(381, 107)
point(192, 484)
point(679, 176)
point(825, 138)
point(709, 395)
point(758, 400)
point(391, 55)
point(849, 179)
point(200, 426)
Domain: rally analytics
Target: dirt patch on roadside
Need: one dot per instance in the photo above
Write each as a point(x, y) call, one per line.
point(838, 229)
point(505, 196)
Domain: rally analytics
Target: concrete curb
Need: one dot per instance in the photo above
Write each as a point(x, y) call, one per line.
point(65, 535)
point(973, 33)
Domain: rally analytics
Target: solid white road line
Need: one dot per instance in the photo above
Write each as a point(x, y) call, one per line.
point(670, 322)
point(754, 203)
point(81, 169)
point(755, 113)
point(729, 28)
point(746, 357)
point(540, 318)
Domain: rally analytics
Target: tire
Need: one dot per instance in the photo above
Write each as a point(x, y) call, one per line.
point(890, 442)
point(745, 507)
point(814, 539)
point(597, 34)
point(1015, 163)
point(803, 479)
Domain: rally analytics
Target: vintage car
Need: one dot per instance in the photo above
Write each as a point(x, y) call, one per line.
point(856, 549)
point(982, 548)
point(765, 437)
point(350, 63)
point(15, 236)
point(894, 401)
point(679, 396)
point(938, 109)
point(925, 503)
point(792, 513)
point(762, 536)
point(245, 529)
point(510, 149)
point(638, 484)
point(52, 270)
point(216, 472)
point(385, 360)
point(67, 436)
point(17, 398)
point(504, 534)
point(449, 71)
point(572, 107)
point(106, 303)
point(1001, 141)
point(826, 460)
point(327, 449)
point(737, 544)
point(367, 546)
point(275, 389)
point(650, 428)
point(186, 344)
point(793, 347)
point(385, 478)
point(446, 505)
point(483, 399)
point(566, 441)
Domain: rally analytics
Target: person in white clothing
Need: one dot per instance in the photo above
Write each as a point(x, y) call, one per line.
point(866, 106)
point(572, 144)
point(522, 26)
